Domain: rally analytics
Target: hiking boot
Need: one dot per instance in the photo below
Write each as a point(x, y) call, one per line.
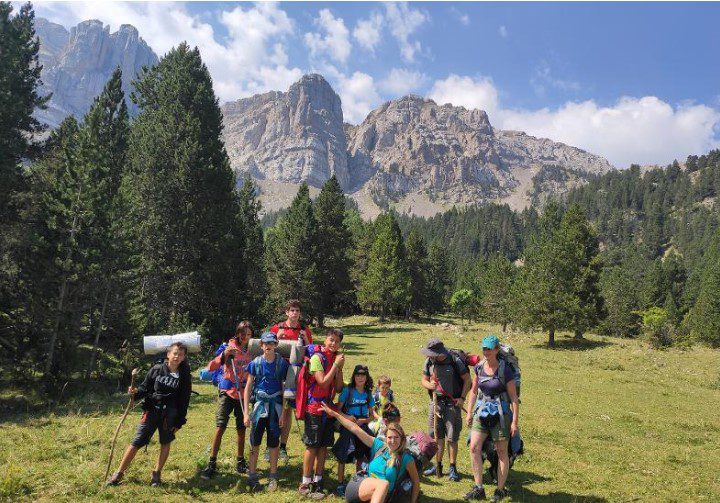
point(209, 471)
point(453, 474)
point(477, 493)
point(500, 494)
point(155, 479)
point(318, 490)
point(115, 479)
point(340, 490)
point(283, 455)
point(434, 470)
point(272, 484)
point(254, 484)
point(242, 466)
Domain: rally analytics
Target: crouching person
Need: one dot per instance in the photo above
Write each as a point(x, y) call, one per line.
point(166, 390)
point(266, 374)
point(389, 463)
point(233, 360)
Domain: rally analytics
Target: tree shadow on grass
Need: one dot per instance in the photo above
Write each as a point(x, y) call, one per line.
point(571, 344)
point(524, 494)
point(368, 330)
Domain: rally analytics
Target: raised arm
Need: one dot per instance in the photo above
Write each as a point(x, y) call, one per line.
point(361, 434)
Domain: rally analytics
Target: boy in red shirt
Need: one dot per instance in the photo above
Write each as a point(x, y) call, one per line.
point(290, 330)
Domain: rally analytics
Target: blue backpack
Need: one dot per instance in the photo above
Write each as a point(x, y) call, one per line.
point(216, 375)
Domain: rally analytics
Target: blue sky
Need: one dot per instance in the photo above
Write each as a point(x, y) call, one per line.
point(635, 82)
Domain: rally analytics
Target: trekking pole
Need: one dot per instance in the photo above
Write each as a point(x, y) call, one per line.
point(435, 415)
point(122, 420)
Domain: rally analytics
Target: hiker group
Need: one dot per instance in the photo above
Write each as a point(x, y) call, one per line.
point(264, 383)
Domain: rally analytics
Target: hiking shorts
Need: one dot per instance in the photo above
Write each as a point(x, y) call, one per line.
point(289, 403)
point(449, 424)
point(226, 405)
point(162, 420)
point(319, 431)
point(493, 428)
point(352, 490)
point(261, 428)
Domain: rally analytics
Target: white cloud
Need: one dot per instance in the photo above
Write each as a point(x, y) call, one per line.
point(335, 42)
point(543, 77)
point(467, 92)
point(400, 82)
point(634, 130)
point(503, 31)
point(358, 93)
point(367, 32)
point(463, 18)
point(403, 22)
point(252, 59)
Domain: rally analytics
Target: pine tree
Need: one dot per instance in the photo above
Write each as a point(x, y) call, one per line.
point(496, 286)
point(254, 287)
point(703, 318)
point(180, 199)
point(417, 268)
point(385, 286)
point(438, 278)
point(333, 250)
point(292, 256)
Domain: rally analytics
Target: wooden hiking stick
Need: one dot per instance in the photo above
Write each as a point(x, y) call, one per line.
point(122, 420)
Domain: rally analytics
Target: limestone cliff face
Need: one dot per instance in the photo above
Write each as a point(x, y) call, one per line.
point(78, 63)
point(294, 137)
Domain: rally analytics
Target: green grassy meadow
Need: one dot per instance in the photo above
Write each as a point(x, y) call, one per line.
point(603, 420)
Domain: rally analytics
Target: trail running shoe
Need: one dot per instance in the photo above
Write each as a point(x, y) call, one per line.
point(155, 480)
point(209, 471)
point(434, 470)
point(115, 479)
point(453, 474)
point(340, 490)
point(318, 490)
point(242, 466)
point(254, 484)
point(477, 493)
point(305, 489)
point(272, 484)
point(500, 494)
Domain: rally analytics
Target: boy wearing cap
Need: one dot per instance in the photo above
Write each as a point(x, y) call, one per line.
point(266, 374)
point(448, 382)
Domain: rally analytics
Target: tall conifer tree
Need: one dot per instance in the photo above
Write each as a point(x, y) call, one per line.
point(417, 260)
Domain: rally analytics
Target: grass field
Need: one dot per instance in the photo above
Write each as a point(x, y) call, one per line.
point(603, 420)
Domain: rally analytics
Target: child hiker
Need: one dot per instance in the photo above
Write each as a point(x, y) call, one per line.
point(390, 415)
point(290, 330)
point(166, 390)
point(233, 360)
point(325, 378)
point(383, 394)
point(357, 403)
point(266, 374)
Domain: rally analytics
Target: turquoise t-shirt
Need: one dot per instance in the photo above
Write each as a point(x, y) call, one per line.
point(359, 404)
point(379, 465)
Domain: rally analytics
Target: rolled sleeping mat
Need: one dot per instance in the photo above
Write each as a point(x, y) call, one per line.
point(284, 348)
point(155, 344)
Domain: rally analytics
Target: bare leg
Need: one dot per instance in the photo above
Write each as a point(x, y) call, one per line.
point(241, 442)
point(254, 453)
point(373, 490)
point(217, 440)
point(501, 447)
point(274, 454)
point(309, 461)
point(285, 431)
point(341, 472)
point(476, 442)
point(162, 457)
point(320, 461)
point(441, 450)
point(127, 458)
point(452, 452)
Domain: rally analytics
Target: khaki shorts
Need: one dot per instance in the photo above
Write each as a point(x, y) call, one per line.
point(449, 424)
point(493, 429)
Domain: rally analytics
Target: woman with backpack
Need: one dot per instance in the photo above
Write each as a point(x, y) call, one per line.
point(495, 415)
point(389, 461)
point(355, 400)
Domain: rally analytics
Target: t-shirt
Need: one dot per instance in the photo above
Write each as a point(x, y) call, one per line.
point(382, 400)
point(449, 373)
point(379, 465)
point(292, 333)
point(492, 385)
point(359, 403)
point(265, 374)
point(316, 364)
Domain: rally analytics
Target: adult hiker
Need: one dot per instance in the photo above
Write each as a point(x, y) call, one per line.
point(495, 415)
point(233, 361)
point(290, 330)
point(389, 462)
point(166, 390)
point(266, 374)
point(356, 400)
point(324, 376)
point(447, 379)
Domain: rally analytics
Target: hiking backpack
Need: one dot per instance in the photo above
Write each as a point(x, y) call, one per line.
point(422, 447)
point(305, 381)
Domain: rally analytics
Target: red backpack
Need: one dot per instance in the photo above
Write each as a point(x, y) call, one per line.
point(306, 381)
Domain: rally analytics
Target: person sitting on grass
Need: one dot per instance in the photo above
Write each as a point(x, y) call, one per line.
point(325, 378)
point(266, 374)
point(390, 415)
point(496, 416)
point(357, 402)
point(389, 462)
point(383, 394)
point(290, 330)
point(166, 390)
point(233, 360)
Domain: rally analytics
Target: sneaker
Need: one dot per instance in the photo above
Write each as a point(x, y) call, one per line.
point(340, 490)
point(242, 466)
point(305, 489)
point(272, 484)
point(434, 470)
point(283, 455)
point(477, 493)
point(500, 494)
point(453, 474)
point(266, 456)
point(115, 479)
point(318, 492)
point(254, 484)
point(209, 471)
point(155, 480)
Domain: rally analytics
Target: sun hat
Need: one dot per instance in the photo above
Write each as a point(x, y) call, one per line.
point(490, 342)
point(434, 348)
